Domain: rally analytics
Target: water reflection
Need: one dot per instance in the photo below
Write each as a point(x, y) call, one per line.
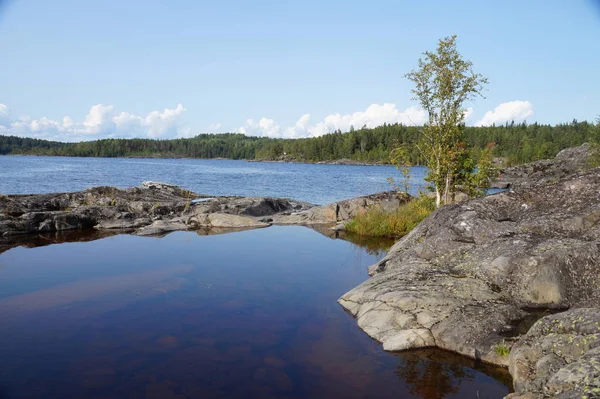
point(250, 314)
point(372, 245)
point(437, 374)
point(375, 246)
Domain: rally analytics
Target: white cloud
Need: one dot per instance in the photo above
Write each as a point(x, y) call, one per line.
point(164, 123)
point(510, 111)
point(215, 127)
point(264, 127)
point(104, 121)
point(101, 121)
point(374, 115)
point(468, 114)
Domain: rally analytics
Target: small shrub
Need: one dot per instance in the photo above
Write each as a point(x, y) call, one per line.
point(593, 158)
point(379, 223)
point(501, 348)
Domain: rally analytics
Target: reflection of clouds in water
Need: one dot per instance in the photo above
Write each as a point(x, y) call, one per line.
point(68, 293)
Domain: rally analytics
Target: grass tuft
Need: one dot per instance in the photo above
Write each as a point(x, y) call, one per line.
point(501, 348)
point(379, 223)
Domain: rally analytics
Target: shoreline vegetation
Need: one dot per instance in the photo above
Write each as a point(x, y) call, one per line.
point(345, 162)
point(378, 222)
point(516, 143)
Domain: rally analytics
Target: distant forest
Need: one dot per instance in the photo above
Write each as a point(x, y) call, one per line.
point(518, 143)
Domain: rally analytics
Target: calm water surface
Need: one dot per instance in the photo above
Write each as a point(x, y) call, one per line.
point(249, 314)
point(319, 184)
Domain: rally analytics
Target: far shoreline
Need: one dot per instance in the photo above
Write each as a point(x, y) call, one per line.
point(343, 161)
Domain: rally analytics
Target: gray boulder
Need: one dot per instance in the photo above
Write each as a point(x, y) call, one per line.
point(224, 220)
point(342, 211)
point(547, 171)
point(559, 357)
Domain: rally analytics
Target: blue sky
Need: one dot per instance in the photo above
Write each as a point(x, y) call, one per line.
point(81, 70)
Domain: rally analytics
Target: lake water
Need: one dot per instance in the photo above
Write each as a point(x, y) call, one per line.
point(249, 314)
point(318, 184)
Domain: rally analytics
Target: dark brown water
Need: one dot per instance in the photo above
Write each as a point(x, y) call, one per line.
point(251, 314)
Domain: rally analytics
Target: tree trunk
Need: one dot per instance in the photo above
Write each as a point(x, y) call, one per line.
point(438, 197)
point(446, 193)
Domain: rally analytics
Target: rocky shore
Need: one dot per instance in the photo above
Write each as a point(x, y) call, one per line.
point(342, 161)
point(154, 209)
point(473, 277)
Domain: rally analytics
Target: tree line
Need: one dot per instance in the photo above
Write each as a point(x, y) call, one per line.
point(516, 142)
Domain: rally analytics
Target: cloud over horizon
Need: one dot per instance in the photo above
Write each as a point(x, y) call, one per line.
point(103, 121)
point(510, 111)
point(375, 115)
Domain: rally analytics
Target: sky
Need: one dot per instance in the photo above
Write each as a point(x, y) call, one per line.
point(73, 70)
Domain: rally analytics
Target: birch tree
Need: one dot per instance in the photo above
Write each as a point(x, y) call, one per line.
point(444, 82)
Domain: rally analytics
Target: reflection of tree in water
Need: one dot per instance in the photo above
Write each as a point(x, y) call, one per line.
point(376, 246)
point(434, 373)
point(432, 380)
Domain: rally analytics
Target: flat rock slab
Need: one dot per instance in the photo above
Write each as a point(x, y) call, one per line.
point(155, 209)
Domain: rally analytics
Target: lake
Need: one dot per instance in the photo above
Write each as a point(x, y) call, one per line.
point(248, 314)
point(245, 314)
point(318, 184)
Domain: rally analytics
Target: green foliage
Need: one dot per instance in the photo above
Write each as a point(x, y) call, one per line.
point(487, 171)
point(501, 348)
point(444, 81)
point(594, 157)
point(399, 157)
point(378, 223)
point(479, 177)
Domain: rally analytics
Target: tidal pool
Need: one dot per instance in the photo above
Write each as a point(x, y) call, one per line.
point(250, 314)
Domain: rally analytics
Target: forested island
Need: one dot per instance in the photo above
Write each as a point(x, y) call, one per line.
point(516, 142)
